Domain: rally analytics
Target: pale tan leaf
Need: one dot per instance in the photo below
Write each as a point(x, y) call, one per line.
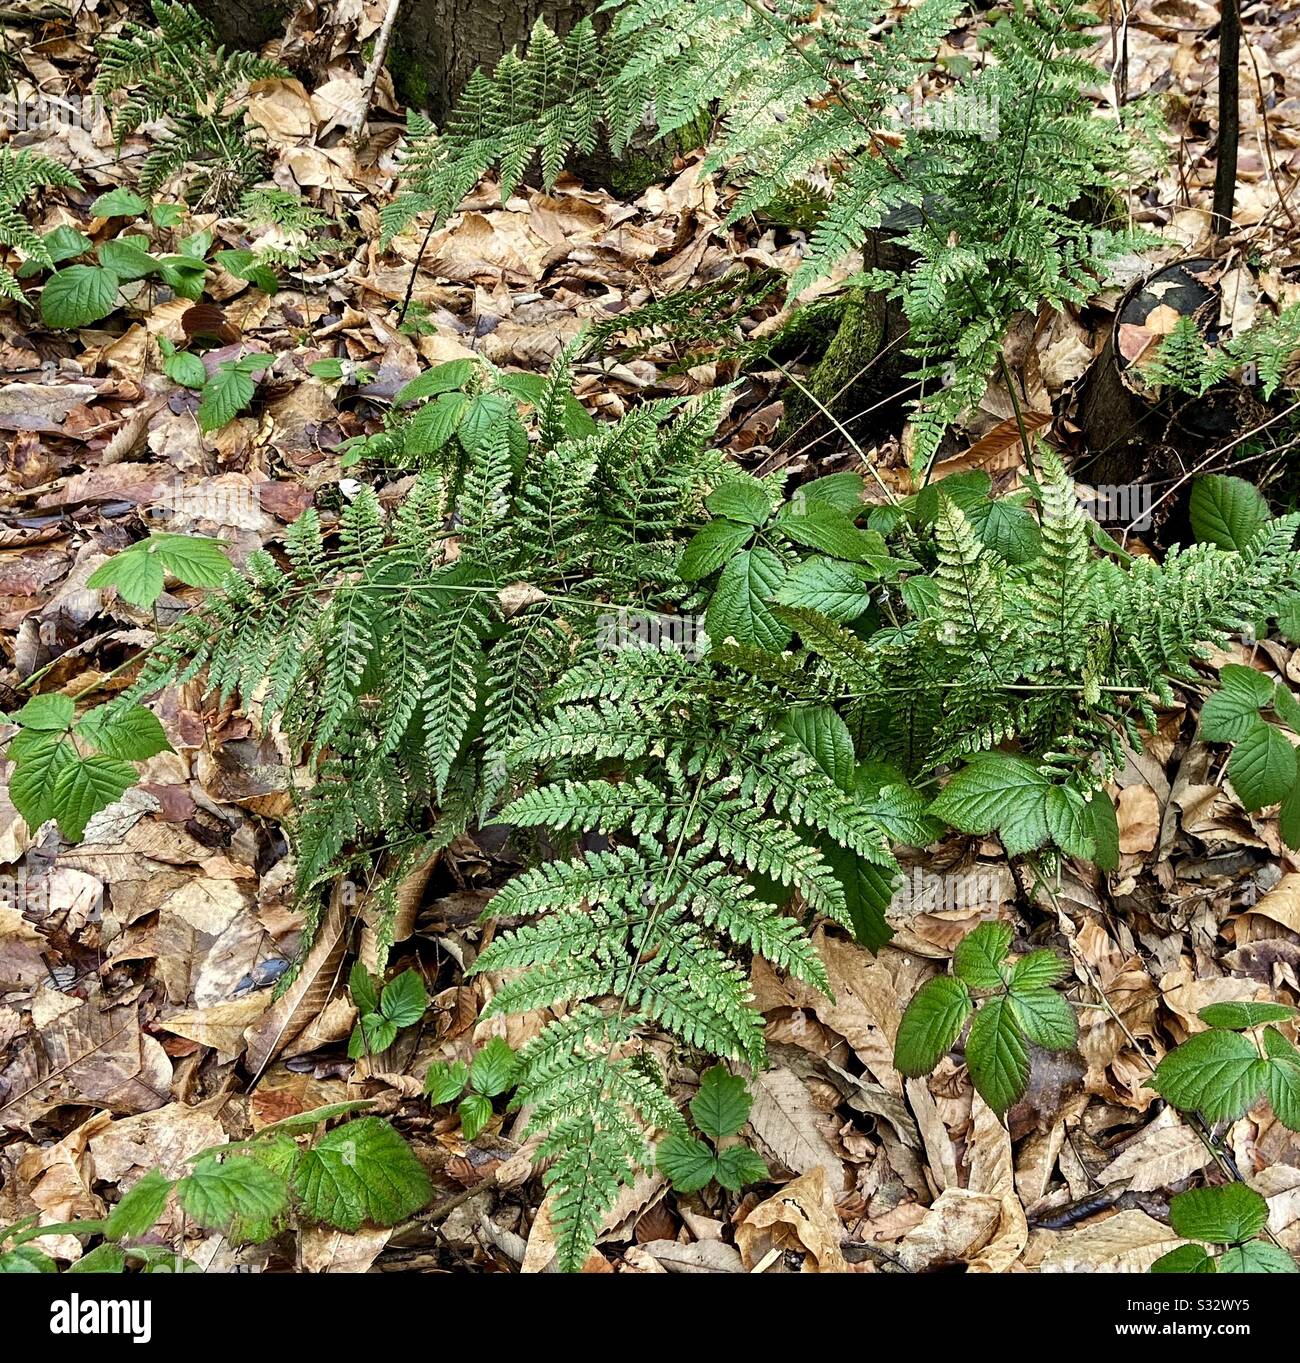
point(1164, 1154)
point(222, 1026)
point(789, 1127)
point(1128, 1242)
point(704, 1256)
point(956, 1226)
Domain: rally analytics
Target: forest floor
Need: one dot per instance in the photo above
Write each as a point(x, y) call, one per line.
point(146, 955)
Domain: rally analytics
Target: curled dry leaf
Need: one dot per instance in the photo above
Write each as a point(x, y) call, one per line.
point(222, 1026)
point(801, 1219)
point(92, 1057)
point(958, 1225)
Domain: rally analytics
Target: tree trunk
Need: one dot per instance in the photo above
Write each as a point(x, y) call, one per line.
point(437, 44)
point(246, 24)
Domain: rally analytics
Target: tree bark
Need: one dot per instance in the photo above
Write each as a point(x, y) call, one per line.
point(438, 43)
point(246, 24)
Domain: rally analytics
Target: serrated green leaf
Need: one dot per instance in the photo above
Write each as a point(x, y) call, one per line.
point(443, 1081)
point(185, 276)
point(741, 499)
point(104, 1258)
point(225, 395)
point(373, 1034)
point(361, 1172)
point(1226, 511)
point(494, 1069)
point(39, 757)
point(186, 369)
point(825, 737)
point(1045, 1017)
point(49, 712)
point(361, 986)
point(1234, 708)
point(996, 1055)
point(197, 245)
point(1068, 822)
point(686, 1162)
point(1103, 829)
point(302, 1122)
point(480, 417)
point(837, 590)
point(868, 891)
point(137, 574)
point(1288, 817)
point(118, 203)
point(1217, 1073)
point(966, 489)
point(1218, 1216)
point(1259, 1256)
point(404, 999)
point(1038, 968)
point(195, 559)
point(995, 791)
point(576, 422)
point(836, 491)
point(980, 954)
point(127, 258)
point(85, 786)
point(443, 378)
point(1262, 767)
point(27, 1259)
point(78, 295)
point(475, 1113)
point(1240, 1017)
point(245, 265)
point(1288, 617)
point(216, 1191)
point(737, 1166)
point(1283, 1078)
point(139, 1209)
point(721, 1107)
point(711, 547)
point(134, 735)
point(833, 533)
point(433, 426)
point(930, 1024)
point(1011, 531)
point(739, 607)
point(63, 243)
point(1185, 1259)
point(1286, 707)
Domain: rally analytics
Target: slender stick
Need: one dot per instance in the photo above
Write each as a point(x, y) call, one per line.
point(375, 66)
point(1225, 171)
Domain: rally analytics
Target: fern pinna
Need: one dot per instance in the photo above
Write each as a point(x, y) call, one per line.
point(707, 819)
point(994, 651)
point(20, 173)
point(176, 71)
point(407, 656)
point(986, 186)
